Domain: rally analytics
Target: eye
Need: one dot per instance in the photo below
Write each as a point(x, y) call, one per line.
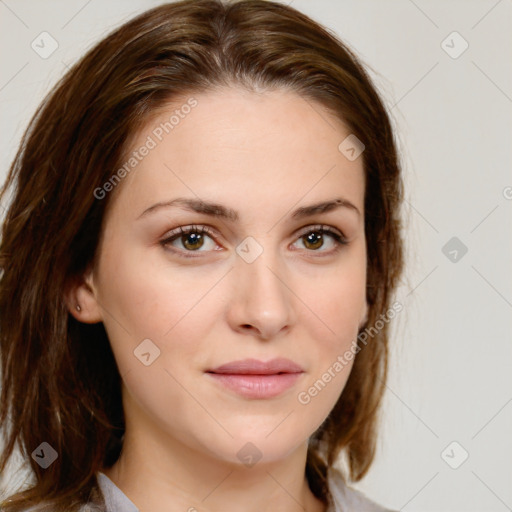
point(315, 236)
point(194, 238)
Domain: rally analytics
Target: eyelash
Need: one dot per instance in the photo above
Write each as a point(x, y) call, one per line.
point(339, 239)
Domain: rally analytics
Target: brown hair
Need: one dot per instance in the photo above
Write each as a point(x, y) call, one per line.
point(60, 382)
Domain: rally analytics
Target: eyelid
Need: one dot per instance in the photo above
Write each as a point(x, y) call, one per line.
point(183, 230)
point(319, 227)
point(211, 231)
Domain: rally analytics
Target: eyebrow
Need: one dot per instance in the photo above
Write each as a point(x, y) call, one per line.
point(218, 210)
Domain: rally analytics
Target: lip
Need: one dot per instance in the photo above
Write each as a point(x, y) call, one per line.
point(256, 367)
point(256, 379)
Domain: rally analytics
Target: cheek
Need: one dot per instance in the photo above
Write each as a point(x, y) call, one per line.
point(144, 299)
point(335, 302)
point(337, 307)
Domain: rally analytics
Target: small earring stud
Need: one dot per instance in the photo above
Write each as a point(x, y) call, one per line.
point(78, 308)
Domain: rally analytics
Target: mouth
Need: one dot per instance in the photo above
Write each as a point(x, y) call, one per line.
point(256, 367)
point(255, 379)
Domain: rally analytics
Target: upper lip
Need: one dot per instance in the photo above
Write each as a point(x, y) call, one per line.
point(256, 367)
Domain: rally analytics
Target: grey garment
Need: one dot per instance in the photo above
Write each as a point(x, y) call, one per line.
point(345, 498)
point(115, 499)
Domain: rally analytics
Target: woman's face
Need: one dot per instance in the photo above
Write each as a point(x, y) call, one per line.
point(263, 286)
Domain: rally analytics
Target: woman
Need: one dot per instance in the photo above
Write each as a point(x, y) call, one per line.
point(203, 235)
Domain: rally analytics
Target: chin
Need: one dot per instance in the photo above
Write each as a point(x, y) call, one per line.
point(250, 450)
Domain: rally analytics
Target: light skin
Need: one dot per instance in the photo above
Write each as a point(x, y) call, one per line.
point(264, 155)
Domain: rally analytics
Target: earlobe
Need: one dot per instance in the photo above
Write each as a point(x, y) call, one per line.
point(81, 300)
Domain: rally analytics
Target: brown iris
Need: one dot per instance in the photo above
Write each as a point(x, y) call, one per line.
point(314, 239)
point(196, 240)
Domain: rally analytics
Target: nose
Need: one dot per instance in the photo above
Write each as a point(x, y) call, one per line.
point(262, 303)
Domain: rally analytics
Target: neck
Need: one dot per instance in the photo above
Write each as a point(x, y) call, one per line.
point(155, 470)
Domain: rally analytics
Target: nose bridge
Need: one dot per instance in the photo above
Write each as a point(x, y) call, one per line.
point(262, 298)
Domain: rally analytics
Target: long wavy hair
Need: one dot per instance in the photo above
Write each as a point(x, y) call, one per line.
point(60, 382)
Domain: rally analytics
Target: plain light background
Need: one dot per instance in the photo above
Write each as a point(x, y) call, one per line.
point(450, 375)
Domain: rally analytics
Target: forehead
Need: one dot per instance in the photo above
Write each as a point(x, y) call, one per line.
point(232, 143)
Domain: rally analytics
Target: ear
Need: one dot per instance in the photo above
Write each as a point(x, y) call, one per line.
point(81, 292)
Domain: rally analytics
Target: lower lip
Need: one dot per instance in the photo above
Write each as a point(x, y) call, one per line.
point(257, 386)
